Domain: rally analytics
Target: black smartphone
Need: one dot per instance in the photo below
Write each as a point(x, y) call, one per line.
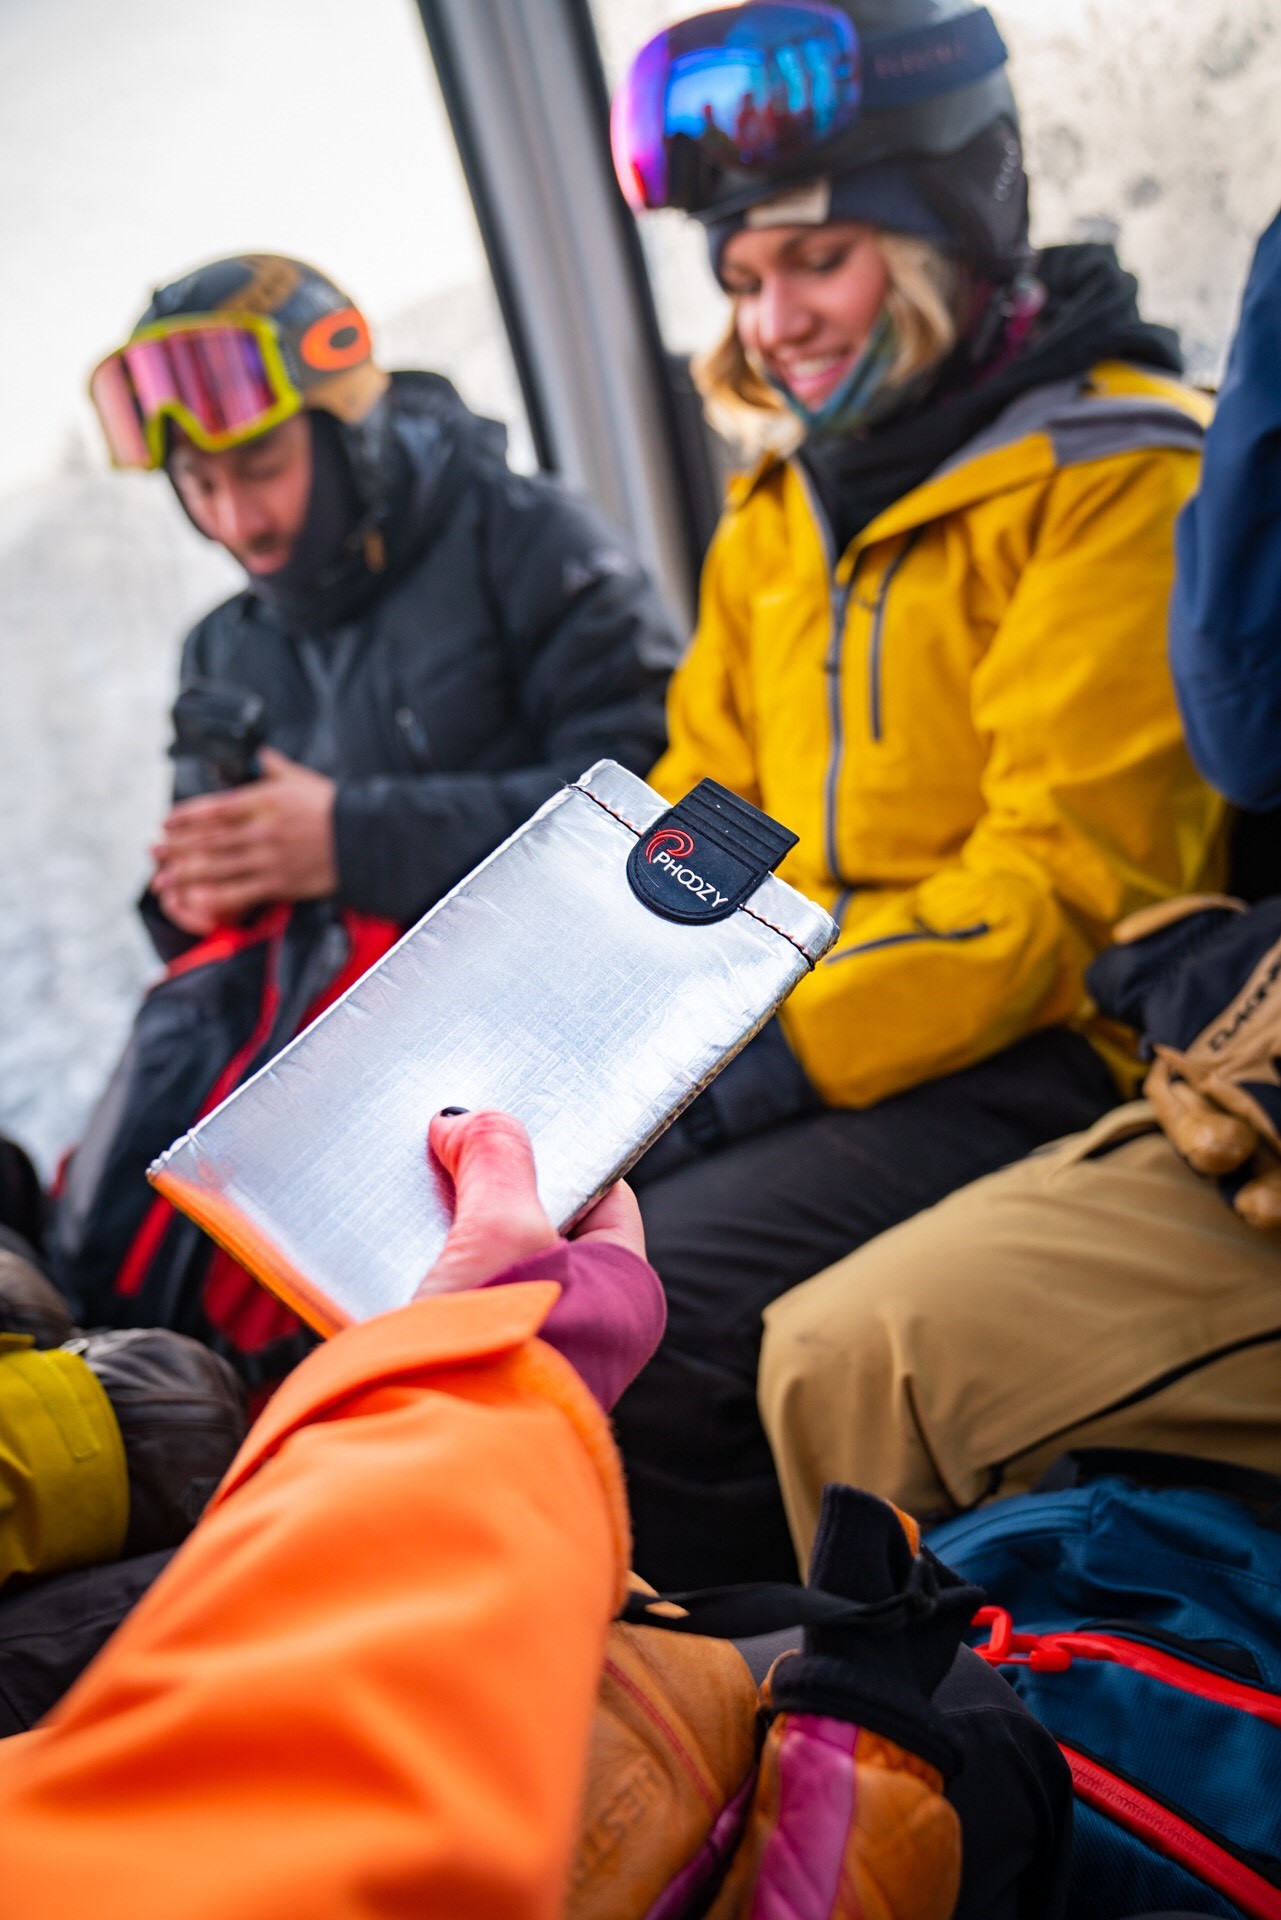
point(218, 730)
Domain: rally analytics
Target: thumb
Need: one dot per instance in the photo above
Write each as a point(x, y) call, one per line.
point(276, 766)
point(1258, 1199)
point(1211, 1141)
point(498, 1217)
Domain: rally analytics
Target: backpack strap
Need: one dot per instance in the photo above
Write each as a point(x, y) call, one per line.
point(747, 1612)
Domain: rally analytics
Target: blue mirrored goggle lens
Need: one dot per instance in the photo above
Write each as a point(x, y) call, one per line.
point(731, 92)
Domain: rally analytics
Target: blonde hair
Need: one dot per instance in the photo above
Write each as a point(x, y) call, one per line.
point(922, 300)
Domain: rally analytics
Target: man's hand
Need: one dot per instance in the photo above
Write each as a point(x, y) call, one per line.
point(498, 1216)
point(223, 854)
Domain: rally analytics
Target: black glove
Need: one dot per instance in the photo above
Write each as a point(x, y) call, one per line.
point(762, 1087)
point(882, 1675)
point(182, 1415)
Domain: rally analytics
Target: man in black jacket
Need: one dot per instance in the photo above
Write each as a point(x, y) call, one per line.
point(434, 645)
point(438, 641)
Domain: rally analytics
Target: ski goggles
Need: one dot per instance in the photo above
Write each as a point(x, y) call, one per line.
point(716, 102)
point(221, 379)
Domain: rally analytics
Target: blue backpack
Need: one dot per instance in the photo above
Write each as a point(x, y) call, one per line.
point(1136, 1609)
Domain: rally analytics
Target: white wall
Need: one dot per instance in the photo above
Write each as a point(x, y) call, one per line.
point(1155, 122)
point(137, 138)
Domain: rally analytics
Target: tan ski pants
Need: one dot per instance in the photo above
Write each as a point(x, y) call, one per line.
point(1097, 1294)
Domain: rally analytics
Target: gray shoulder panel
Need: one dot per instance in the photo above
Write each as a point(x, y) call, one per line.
point(1082, 428)
point(1098, 429)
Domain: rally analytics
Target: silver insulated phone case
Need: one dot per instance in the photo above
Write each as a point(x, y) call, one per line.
point(592, 976)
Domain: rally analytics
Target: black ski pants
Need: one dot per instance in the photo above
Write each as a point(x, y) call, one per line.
point(730, 1233)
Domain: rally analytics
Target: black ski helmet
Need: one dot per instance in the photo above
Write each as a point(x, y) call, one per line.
point(323, 337)
point(937, 127)
point(948, 166)
point(964, 149)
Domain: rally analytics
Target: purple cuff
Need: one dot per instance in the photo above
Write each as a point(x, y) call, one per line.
point(610, 1315)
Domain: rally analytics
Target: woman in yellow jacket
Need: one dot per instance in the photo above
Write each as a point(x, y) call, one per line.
point(931, 642)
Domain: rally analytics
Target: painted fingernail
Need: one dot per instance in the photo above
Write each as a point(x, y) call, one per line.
point(452, 1113)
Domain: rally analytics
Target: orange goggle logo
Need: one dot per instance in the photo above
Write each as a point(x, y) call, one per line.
point(336, 341)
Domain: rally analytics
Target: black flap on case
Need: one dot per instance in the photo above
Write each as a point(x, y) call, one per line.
point(699, 862)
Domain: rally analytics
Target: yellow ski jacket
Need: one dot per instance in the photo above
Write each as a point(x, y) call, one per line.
point(967, 717)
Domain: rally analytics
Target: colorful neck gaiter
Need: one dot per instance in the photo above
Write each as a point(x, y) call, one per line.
point(861, 396)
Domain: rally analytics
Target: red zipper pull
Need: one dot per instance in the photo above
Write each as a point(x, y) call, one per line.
point(1005, 1648)
point(1002, 1624)
point(1048, 1657)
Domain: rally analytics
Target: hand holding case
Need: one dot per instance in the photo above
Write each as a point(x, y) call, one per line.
point(591, 976)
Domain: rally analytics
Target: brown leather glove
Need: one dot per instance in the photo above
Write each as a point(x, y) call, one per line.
point(673, 1743)
point(182, 1415)
point(703, 1797)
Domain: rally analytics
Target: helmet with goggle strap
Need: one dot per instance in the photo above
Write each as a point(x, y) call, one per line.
point(733, 108)
point(229, 352)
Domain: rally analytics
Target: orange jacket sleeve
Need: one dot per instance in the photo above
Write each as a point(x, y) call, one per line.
point(365, 1686)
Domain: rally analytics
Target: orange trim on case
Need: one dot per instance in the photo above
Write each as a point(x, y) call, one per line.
point(247, 1243)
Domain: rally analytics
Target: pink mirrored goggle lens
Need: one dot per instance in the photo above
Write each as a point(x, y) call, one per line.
point(216, 374)
point(112, 396)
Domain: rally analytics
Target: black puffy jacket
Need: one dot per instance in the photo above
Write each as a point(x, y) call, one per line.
point(512, 640)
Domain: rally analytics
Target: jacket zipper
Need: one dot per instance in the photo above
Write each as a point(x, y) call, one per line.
point(878, 634)
point(838, 603)
point(1154, 1662)
point(838, 607)
point(1129, 1806)
point(913, 939)
point(1177, 1839)
point(415, 735)
point(840, 599)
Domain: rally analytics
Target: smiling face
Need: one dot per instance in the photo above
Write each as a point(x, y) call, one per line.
point(251, 499)
point(806, 300)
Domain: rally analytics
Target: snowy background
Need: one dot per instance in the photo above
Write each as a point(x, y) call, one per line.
point(140, 138)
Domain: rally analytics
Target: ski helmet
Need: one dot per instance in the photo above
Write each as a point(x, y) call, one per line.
point(231, 349)
point(902, 109)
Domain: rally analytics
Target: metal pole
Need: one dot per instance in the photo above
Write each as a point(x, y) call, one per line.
point(523, 87)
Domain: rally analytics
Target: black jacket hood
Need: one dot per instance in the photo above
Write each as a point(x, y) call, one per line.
point(381, 490)
point(1091, 314)
point(411, 456)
